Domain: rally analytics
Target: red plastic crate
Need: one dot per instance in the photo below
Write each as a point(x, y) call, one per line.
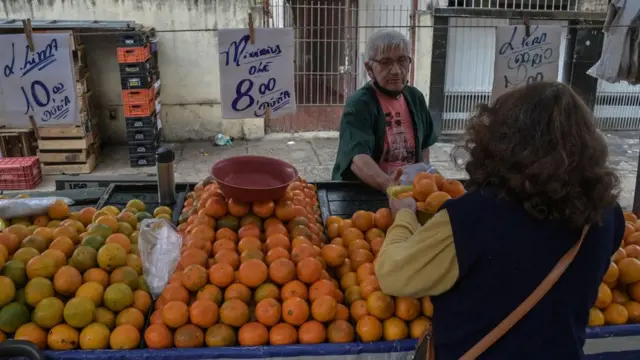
point(20, 173)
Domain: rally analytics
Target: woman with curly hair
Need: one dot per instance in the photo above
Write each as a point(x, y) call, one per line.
point(538, 174)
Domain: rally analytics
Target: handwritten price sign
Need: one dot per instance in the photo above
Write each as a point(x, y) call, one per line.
point(255, 77)
point(522, 59)
point(40, 83)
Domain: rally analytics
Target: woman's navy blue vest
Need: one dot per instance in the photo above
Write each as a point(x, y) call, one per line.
point(503, 255)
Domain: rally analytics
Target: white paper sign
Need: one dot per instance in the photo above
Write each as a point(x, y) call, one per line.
point(41, 83)
point(522, 60)
point(254, 77)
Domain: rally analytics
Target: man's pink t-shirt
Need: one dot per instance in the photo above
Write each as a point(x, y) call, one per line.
point(399, 139)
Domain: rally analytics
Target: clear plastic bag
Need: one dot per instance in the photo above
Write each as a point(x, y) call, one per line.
point(410, 171)
point(159, 244)
point(14, 208)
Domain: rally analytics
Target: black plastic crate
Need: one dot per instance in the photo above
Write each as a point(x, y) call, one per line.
point(137, 38)
point(144, 135)
point(144, 148)
point(137, 68)
point(154, 46)
point(119, 194)
point(144, 160)
point(137, 81)
point(134, 123)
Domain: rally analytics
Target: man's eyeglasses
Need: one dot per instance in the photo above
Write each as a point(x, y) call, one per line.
point(402, 62)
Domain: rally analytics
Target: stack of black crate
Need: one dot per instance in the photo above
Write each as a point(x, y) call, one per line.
point(140, 79)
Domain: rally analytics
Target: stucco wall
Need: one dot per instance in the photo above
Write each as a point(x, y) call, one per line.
point(188, 60)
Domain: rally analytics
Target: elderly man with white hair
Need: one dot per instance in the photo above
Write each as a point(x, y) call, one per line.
point(385, 124)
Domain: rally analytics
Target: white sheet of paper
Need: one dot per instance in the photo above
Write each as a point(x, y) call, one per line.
point(522, 60)
point(41, 84)
point(254, 77)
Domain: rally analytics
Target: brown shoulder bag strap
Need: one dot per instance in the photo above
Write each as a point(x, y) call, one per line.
point(528, 303)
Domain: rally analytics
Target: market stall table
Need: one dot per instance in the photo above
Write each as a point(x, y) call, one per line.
point(620, 342)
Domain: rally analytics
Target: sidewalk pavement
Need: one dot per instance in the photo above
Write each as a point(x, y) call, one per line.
point(314, 156)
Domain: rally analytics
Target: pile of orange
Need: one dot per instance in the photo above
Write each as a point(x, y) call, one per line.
point(618, 300)
point(73, 279)
point(249, 275)
point(354, 245)
point(431, 190)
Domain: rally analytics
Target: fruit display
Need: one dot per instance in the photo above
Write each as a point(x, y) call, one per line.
point(251, 274)
point(73, 280)
point(618, 300)
point(354, 245)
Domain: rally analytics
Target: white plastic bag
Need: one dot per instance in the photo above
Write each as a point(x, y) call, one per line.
point(14, 208)
point(410, 171)
point(159, 244)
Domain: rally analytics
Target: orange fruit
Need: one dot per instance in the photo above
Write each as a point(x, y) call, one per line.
point(283, 334)
point(340, 331)
point(419, 326)
point(194, 277)
point(631, 217)
point(253, 334)
point(633, 310)
point(268, 312)
point(59, 210)
point(612, 273)
point(629, 269)
point(424, 188)
point(309, 270)
point(10, 241)
point(368, 286)
point(220, 335)
point(369, 328)
point(383, 218)
point(407, 308)
point(395, 329)
point(359, 309)
point(221, 275)
point(175, 314)
point(188, 336)
point(618, 255)
point(210, 292)
point(363, 220)
point(632, 251)
point(619, 297)
point(380, 305)
point(238, 291)
point(320, 288)
point(131, 316)
point(234, 313)
point(96, 275)
point(203, 313)
point(282, 271)
point(124, 337)
point(294, 288)
point(324, 308)
point(237, 208)
point(176, 292)
point(605, 297)
point(433, 203)
point(158, 336)
point(453, 187)
point(263, 209)
point(253, 273)
point(277, 253)
point(295, 311)
point(120, 239)
point(141, 301)
point(312, 332)
point(33, 333)
point(615, 314)
point(634, 291)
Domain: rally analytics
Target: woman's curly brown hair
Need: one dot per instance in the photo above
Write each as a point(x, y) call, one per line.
point(539, 145)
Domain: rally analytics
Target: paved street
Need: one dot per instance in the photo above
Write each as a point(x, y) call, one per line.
point(314, 157)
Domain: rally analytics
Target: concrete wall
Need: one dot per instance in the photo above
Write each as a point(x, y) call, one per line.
point(188, 60)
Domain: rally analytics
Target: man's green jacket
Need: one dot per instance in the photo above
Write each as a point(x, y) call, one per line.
point(363, 126)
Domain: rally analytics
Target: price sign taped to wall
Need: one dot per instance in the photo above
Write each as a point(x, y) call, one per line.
point(40, 83)
point(522, 59)
point(258, 76)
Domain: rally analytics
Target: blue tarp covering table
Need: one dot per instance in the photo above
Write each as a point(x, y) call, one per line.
point(605, 343)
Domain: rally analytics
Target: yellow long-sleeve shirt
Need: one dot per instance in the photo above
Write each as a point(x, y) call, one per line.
point(416, 260)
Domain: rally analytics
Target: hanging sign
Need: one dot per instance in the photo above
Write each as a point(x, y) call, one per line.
point(522, 59)
point(256, 75)
point(40, 83)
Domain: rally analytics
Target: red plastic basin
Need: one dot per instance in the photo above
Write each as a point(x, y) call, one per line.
point(250, 178)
